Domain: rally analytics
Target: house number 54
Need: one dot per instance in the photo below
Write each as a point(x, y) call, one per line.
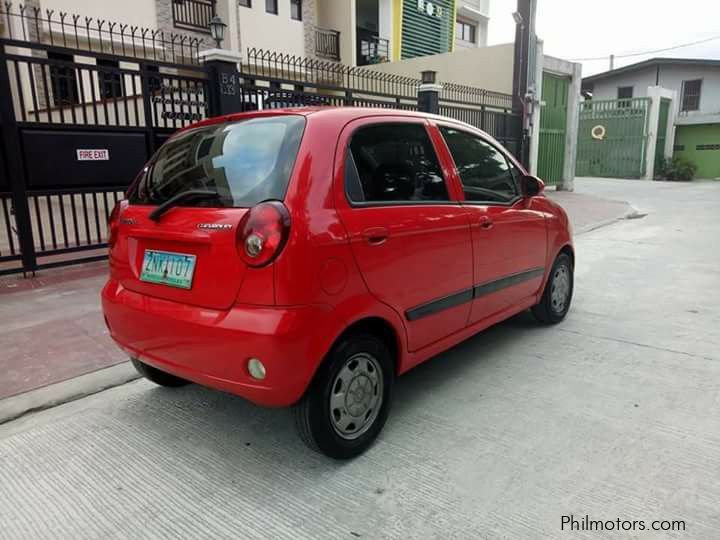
point(228, 84)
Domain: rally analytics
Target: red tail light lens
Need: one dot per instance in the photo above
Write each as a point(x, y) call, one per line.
point(114, 224)
point(263, 233)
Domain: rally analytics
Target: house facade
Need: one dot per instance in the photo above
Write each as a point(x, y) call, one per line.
point(353, 32)
point(697, 86)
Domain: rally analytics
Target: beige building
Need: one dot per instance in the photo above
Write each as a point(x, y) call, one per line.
point(353, 32)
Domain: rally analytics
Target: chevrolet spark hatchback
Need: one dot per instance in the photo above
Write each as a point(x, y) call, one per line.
point(308, 257)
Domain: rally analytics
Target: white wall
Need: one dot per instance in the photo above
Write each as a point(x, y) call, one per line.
point(487, 67)
point(385, 17)
point(483, 6)
point(278, 33)
point(670, 77)
point(132, 12)
point(340, 15)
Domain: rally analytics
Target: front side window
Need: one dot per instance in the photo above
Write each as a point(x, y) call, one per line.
point(244, 162)
point(691, 95)
point(393, 163)
point(484, 172)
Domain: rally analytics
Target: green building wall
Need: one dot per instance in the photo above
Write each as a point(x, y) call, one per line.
point(424, 34)
point(701, 145)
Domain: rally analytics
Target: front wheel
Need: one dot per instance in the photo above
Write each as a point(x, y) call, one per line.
point(555, 301)
point(347, 403)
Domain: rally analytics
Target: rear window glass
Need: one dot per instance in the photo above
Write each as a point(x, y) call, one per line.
point(245, 162)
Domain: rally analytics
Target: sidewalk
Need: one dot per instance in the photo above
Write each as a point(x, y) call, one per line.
point(588, 212)
point(53, 331)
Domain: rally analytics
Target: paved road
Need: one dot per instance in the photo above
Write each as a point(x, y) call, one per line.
point(613, 414)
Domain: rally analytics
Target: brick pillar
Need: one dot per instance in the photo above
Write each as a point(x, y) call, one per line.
point(309, 16)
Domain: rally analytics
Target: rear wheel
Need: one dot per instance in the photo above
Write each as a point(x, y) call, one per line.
point(347, 403)
point(557, 295)
point(157, 376)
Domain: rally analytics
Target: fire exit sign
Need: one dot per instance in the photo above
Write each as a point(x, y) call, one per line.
point(93, 155)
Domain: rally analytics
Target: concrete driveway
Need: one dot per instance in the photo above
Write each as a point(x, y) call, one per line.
point(613, 414)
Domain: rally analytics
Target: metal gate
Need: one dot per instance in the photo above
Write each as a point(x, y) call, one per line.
point(85, 103)
point(612, 138)
point(553, 128)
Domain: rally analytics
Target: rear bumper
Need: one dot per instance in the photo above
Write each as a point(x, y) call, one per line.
point(211, 347)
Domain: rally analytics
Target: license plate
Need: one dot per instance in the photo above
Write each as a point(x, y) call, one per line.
point(166, 268)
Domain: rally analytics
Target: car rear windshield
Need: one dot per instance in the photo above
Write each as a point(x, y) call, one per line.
point(244, 162)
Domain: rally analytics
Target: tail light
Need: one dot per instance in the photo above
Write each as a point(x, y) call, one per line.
point(263, 233)
point(114, 224)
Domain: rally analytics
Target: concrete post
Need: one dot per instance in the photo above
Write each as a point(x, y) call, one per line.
point(222, 66)
point(429, 93)
point(571, 129)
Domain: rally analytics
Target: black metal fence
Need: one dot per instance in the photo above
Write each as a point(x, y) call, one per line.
point(281, 80)
point(23, 24)
point(89, 101)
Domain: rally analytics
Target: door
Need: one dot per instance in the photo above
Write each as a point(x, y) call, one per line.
point(410, 240)
point(508, 230)
point(553, 124)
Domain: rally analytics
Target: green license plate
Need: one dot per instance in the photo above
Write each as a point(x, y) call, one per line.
point(166, 268)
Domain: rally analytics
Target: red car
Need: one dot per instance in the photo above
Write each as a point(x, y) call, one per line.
point(308, 257)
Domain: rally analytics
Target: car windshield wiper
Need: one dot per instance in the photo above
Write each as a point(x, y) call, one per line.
point(182, 197)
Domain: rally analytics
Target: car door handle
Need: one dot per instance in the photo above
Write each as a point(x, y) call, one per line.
point(485, 222)
point(376, 235)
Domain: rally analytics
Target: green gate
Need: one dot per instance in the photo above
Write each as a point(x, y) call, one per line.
point(553, 124)
point(612, 138)
point(662, 130)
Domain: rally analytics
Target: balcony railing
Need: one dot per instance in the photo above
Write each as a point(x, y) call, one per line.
point(374, 50)
point(193, 14)
point(327, 43)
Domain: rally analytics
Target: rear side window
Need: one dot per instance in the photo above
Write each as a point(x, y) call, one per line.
point(245, 162)
point(484, 172)
point(393, 163)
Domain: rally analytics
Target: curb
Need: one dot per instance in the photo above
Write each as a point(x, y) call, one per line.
point(631, 213)
point(73, 389)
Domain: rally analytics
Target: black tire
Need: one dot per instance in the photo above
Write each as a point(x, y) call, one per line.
point(313, 413)
point(548, 311)
point(157, 376)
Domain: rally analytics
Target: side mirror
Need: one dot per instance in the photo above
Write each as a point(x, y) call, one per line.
point(531, 185)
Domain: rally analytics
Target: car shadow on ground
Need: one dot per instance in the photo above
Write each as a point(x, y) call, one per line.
point(228, 424)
